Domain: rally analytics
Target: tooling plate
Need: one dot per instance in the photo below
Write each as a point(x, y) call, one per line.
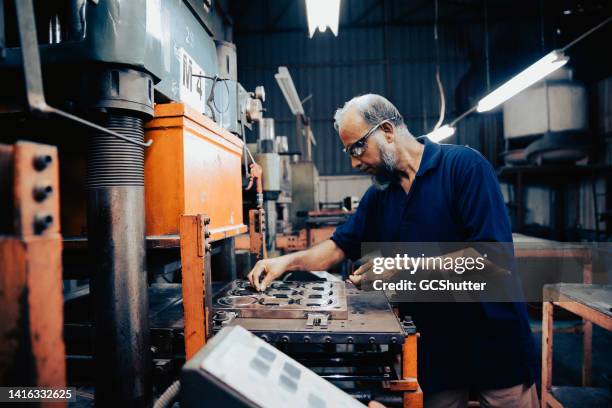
point(283, 300)
point(370, 320)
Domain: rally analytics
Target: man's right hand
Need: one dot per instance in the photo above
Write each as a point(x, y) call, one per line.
point(265, 271)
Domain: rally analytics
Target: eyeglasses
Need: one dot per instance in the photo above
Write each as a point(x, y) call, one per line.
point(358, 148)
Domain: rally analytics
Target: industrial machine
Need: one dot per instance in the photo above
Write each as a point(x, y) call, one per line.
point(285, 198)
point(351, 338)
point(548, 122)
point(268, 158)
point(88, 77)
point(237, 369)
point(146, 122)
point(304, 173)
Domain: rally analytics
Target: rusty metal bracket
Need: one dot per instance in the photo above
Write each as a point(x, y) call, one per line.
point(257, 233)
point(31, 302)
point(196, 281)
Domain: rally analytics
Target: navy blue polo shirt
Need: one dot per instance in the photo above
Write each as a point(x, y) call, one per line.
point(455, 197)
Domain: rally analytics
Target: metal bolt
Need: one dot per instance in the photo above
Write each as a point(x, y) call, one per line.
point(42, 192)
point(306, 339)
point(350, 340)
point(327, 339)
point(207, 233)
point(265, 338)
point(372, 340)
point(285, 339)
point(42, 222)
point(220, 315)
point(42, 161)
point(393, 340)
point(206, 220)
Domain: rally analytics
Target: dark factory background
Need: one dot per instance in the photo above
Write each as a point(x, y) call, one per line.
point(388, 47)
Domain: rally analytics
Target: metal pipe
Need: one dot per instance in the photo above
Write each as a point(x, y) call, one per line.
point(116, 235)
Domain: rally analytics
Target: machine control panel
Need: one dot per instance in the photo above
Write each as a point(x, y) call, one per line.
point(238, 369)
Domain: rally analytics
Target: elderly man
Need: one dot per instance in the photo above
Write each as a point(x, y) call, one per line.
point(427, 192)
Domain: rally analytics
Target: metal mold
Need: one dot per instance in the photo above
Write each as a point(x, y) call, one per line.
point(283, 300)
point(237, 301)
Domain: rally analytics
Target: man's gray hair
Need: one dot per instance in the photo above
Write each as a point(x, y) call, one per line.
point(374, 109)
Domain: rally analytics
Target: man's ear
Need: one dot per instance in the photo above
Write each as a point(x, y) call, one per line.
point(388, 130)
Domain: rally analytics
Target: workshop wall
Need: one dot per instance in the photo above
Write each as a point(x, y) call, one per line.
point(388, 47)
point(398, 61)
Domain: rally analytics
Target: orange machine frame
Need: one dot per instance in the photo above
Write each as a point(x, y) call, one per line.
point(193, 167)
point(31, 302)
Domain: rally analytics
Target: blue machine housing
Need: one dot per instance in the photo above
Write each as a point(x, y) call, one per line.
point(168, 39)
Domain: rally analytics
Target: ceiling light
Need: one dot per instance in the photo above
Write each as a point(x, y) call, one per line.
point(549, 63)
point(441, 133)
point(283, 78)
point(322, 14)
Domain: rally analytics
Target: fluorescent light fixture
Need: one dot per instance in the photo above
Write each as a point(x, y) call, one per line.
point(549, 63)
point(441, 133)
point(322, 14)
point(283, 78)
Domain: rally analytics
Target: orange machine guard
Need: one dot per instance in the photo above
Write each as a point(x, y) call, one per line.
point(193, 167)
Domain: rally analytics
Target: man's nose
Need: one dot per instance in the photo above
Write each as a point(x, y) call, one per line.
point(355, 162)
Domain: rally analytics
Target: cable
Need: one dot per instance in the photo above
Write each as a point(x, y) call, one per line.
point(228, 100)
point(168, 398)
point(244, 144)
point(487, 63)
point(587, 33)
point(463, 115)
point(51, 109)
point(438, 80)
point(210, 100)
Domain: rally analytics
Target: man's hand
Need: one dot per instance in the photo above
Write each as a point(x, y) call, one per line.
point(265, 271)
point(318, 258)
point(357, 276)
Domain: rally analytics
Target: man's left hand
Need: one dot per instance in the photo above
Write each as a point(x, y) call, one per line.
point(357, 276)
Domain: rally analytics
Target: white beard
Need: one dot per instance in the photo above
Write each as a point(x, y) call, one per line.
point(386, 170)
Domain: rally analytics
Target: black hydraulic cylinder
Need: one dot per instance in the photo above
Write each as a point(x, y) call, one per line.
point(116, 236)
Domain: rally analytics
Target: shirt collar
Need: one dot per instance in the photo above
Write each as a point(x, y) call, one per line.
point(431, 155)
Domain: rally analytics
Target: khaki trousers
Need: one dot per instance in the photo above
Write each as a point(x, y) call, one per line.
point(519, 396)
